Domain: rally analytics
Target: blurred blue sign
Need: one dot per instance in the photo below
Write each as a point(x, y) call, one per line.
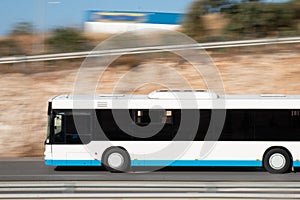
point(118, 17)
point(136, 17)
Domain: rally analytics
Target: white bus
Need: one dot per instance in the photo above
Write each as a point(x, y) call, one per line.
point(257, 130)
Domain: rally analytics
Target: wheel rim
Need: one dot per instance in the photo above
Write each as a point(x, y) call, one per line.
point(115, 160)
point(277, 161)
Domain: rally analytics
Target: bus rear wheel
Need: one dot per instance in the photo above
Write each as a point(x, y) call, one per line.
point(116, 159)
point(277, 161)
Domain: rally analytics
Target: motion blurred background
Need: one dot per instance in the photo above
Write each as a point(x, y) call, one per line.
point(34, 27)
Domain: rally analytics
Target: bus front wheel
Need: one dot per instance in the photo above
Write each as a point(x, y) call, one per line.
point(116, 159)
point(277, 161)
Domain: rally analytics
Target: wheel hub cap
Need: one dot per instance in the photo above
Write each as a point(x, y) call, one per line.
point(277, 161)
point(115, 160)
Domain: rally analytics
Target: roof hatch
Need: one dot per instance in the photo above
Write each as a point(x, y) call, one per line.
point(182, 94)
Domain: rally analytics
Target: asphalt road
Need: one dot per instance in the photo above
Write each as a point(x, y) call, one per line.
point(36, 170)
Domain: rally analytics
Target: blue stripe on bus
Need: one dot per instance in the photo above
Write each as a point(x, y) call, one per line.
point(296, 163)
point(73, 162)
point(215, 163)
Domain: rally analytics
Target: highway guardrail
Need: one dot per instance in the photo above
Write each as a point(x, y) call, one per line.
point(149, 49)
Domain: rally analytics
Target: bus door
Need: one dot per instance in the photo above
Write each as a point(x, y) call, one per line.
point(58, 137)
point(66, 134)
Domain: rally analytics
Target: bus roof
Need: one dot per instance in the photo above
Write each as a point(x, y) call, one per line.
point(177, 99)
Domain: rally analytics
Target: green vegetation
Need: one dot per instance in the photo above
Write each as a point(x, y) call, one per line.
point(254, 19)
point(194, 24)
point(250, 19)
point(296, 5)
point(22, 28)
point(68, 40)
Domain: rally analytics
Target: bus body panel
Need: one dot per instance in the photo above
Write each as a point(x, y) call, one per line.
point(225, 153)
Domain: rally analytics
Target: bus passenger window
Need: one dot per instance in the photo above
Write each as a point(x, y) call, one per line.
point(156, 116)
point(139, 116)
point(295, 113)
point(168, 117)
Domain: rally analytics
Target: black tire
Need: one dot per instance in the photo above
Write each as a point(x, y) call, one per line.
point(284, 161)
point(117, 155)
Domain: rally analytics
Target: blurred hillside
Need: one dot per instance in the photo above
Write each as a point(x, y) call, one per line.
point(26, 87)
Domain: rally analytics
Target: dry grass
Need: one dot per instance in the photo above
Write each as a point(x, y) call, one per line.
point(97, 37)
point(130, 61)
